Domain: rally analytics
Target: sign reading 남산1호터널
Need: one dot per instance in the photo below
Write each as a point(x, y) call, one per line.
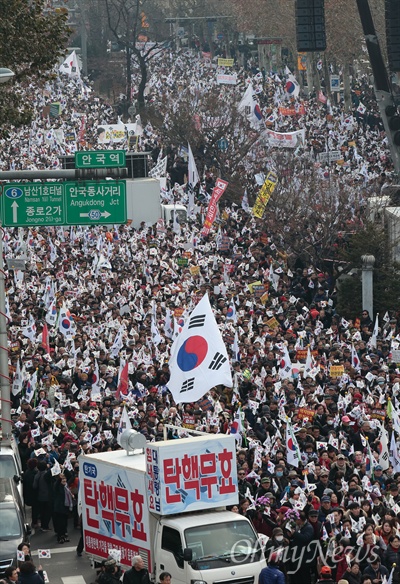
point(63, 203)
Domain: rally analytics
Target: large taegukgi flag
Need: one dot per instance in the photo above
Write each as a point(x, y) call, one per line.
point(199, 360)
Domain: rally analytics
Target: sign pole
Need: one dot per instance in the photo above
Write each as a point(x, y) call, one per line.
point(5, 386)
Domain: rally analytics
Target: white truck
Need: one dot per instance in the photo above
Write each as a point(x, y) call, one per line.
point(165, 501)
point(144, 204)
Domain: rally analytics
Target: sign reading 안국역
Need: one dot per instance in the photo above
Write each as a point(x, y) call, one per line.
point(63, 203)
point(100, 159)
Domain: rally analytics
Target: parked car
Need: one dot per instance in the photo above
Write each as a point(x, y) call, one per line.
point(13, 526)
point(10, 465)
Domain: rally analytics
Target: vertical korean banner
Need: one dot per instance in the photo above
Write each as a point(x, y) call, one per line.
point(264, 194)
point(218, 191)
point(114, 511)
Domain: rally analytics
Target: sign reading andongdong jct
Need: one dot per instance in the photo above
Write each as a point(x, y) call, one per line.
point(63, 203)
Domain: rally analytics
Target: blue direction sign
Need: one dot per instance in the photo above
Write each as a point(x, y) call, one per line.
point(64, 203)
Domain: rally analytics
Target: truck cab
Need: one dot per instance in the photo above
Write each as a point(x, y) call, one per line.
point(207, 548)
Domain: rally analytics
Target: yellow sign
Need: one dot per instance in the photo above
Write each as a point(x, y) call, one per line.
point(272, 323)
point(302, 61)
point(336, 370)
point(194, 270)
point(264, 194)
point(252, 284)
point(225, 62)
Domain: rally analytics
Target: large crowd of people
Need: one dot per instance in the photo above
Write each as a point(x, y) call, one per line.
point(115, 284)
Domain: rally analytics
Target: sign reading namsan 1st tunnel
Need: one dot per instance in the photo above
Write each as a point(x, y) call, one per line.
point(63, 203)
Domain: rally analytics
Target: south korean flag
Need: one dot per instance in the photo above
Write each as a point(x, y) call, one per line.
point(199, 360)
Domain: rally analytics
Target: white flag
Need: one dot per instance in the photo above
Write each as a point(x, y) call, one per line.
point(51, 316)
point(70, 66)
point(160, 169)
point(30, 330)
point(199, 359)
point(394, 455)
point(309, 365)
point(383, 447)
point(193, 177)
point(66, 324)
point(17, 381)
point(118, 342)
point(372, 341)
point(285, 370)
point(231, 312)
point(235, 347)
point(292, 87)
point(250, 108)
point(169, 325)
point(245, 202)
point(155, 335)
point(124, 424)
point(293, 452)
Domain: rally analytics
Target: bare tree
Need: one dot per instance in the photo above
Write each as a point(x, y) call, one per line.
point(126, 19)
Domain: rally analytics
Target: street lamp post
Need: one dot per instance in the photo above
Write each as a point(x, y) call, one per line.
point(5, 75)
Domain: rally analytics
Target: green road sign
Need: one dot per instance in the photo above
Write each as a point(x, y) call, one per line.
point(63, 203)
point(100, 159)
point(33, 204)
point(93, 202)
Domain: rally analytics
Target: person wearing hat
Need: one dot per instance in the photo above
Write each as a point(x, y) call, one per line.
point(325, 575)
point(276, 543)
point(138, 573)
point(340, 466)
point(265, 486)
point(111, 572)
point(323, 483)
point(325, 509)
point(272, 574)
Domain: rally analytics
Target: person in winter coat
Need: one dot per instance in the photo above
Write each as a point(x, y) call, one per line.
point(276, 544)
point(62, 505)
point(353, 574)
point(42, 486)
point(376, 571)
point(392, 556)
point(30, 494)
point(271, 574)
point(111, 573)
point(137, 574)
point(302, 555)
point(29, 575)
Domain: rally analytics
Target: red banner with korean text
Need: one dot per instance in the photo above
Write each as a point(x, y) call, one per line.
point(218, 191)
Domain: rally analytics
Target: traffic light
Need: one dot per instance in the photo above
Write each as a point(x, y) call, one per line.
point(392, 15)
point(310, 25)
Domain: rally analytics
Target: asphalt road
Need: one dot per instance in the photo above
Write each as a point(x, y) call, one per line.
point(64, 566)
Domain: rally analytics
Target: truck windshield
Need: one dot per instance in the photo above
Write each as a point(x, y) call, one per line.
point(232, 541)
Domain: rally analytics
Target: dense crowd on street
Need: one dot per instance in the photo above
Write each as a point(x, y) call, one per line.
point(116, 284)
